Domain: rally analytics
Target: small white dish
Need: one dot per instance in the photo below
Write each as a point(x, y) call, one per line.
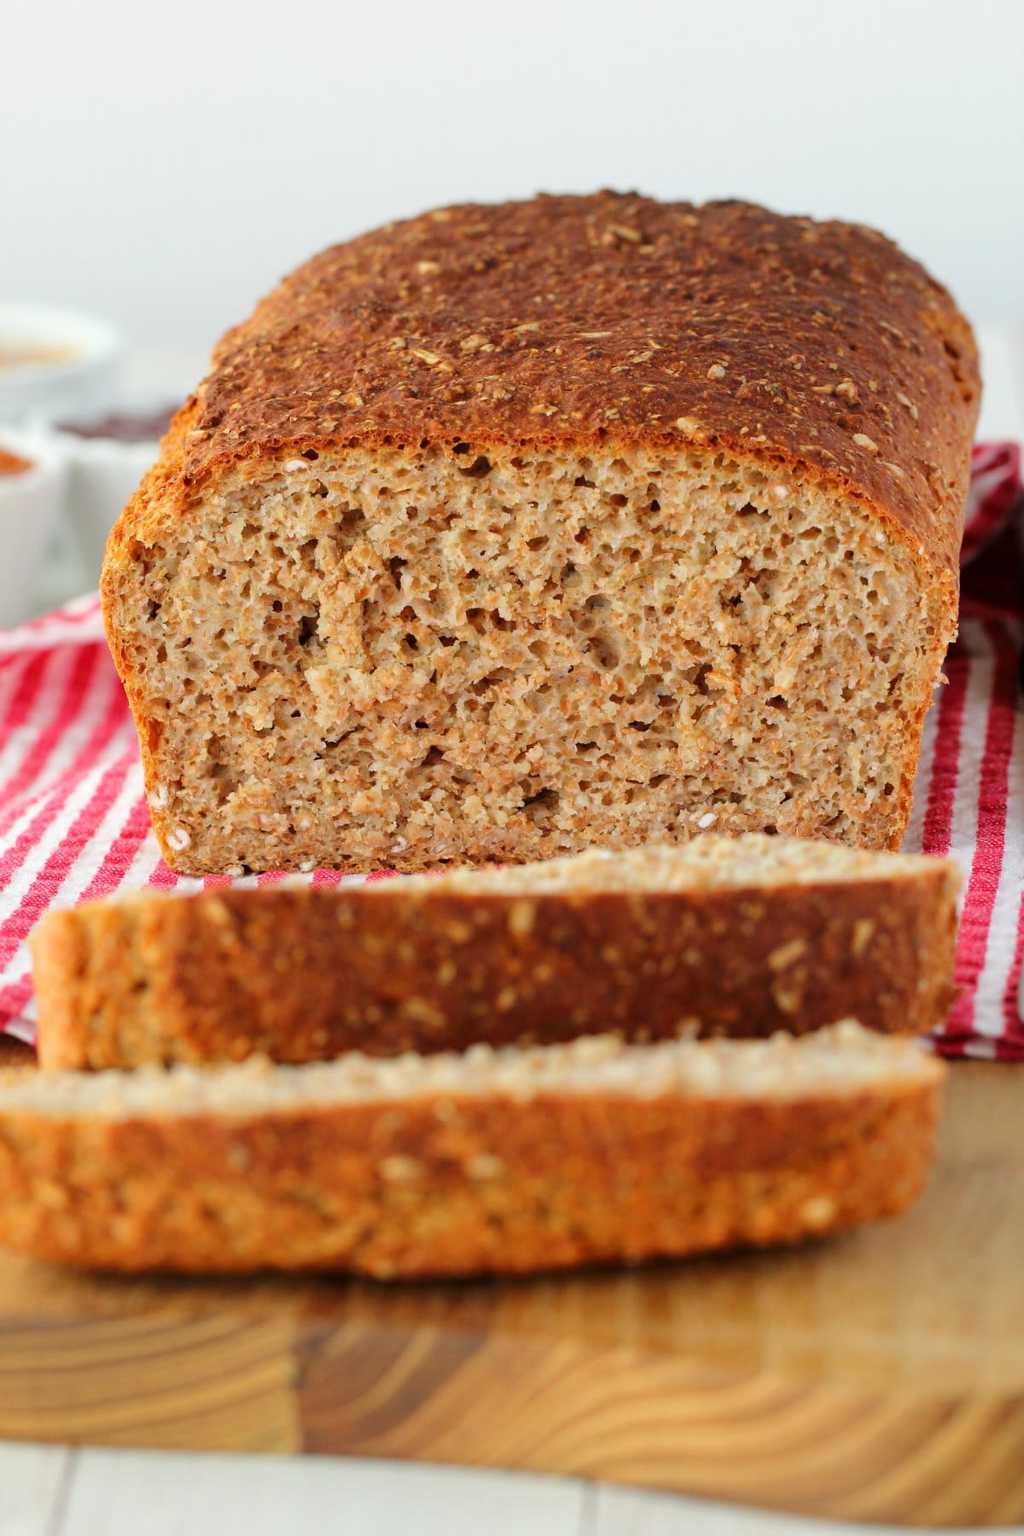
point(102, 474)
point(31, 502)
point(55, 362)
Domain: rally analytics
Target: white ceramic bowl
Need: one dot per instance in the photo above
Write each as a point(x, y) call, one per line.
point(102, 474)
point(31, 503)
point(79, 377)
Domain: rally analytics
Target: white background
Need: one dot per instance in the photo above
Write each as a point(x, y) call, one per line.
point(165, 164)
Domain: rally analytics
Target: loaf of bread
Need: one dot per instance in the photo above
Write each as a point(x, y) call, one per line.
point(721, 936)
point(511, 530)
point(510, 1160)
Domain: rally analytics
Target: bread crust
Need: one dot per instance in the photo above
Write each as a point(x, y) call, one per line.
point(305, 974)
point(815, 350)
point(612, 319)
point(461, 1185)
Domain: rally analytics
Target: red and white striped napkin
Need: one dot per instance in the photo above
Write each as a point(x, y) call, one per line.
point(74, 824)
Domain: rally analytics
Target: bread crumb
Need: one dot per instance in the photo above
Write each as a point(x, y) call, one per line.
point(786, 999)
point(520, 918)
point(418, 1008)
point(786, 954)
point(51, 1194)
point(400, 1170)
point(863, 929)
point(818, 1211)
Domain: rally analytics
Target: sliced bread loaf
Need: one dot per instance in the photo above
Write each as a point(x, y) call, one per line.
point(508, 1160)
point(508, 531)
point(720, 936)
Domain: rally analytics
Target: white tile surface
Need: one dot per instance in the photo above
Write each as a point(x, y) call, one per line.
point(623, 1512)
point(32, 1479)
point(130, 1493)
point(50, 1491)
point(140, 1493)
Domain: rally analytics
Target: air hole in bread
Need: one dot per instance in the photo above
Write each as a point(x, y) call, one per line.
point(539, 806)
point(604, 649)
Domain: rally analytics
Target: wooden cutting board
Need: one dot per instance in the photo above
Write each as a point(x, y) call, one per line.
point(875, 1377)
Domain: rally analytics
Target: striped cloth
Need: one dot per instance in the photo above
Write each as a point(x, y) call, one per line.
point(74, 825)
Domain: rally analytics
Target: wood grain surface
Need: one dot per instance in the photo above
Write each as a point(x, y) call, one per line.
point(875, 1377)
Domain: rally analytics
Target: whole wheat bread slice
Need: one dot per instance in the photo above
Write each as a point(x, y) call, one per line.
point(508, 1160)
point(720, 937)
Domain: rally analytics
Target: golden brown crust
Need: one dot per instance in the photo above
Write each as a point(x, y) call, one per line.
point(611, 319)
point(307, 974)
point(460, 1185)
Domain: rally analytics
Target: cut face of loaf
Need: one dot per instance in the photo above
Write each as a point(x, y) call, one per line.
point(722, 936)
point(434, 570)
point(490, 1161)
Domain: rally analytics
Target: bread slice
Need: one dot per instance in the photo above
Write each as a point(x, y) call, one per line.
point(508, 1160)
point(721, 936)
point(508, 531)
